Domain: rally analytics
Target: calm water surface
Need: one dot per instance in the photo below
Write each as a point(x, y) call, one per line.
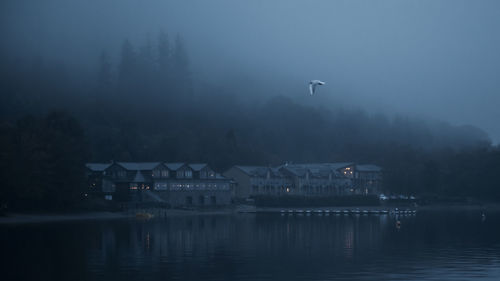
point(432, 245)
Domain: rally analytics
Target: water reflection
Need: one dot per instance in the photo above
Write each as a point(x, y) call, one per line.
point(452, 245)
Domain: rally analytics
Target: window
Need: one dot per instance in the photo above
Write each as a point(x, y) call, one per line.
point(203, 174)
point(161, 186)
point(164, 173)
point(188, 174)
point(156, 173)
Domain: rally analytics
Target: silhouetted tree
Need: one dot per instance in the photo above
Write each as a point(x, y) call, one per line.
point(46, 162)
point(181, 73)
point(105, 73)
point(164, 56)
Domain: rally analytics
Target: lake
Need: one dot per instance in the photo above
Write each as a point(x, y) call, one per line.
point(431, 245)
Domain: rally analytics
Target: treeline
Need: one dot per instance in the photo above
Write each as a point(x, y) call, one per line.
point(144, 107)
point(155, 72)
point(42, 163)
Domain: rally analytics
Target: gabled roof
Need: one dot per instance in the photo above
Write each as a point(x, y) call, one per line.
point(139, 177)
point(97, 167)
point(260, 171)
point(198, 166)
point(368, 168)
point(220, 177)
point(249, 170)
point(174, 166)
point(315, 169)
point(134, 166)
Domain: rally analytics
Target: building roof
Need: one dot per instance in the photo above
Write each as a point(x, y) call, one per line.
point(315, 169)
point(138, 177)
point(174, 166)
point(97, 167)
point(220, 177)
point(260, 171)
point(368, 168)
point(198, 166)
point(139, 165)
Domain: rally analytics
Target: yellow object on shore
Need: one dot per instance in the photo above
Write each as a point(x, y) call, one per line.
point(144, 216)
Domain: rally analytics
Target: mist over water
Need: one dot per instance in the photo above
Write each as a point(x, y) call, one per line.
point(428, 59)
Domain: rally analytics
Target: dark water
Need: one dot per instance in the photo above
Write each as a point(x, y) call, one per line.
point(451, 245)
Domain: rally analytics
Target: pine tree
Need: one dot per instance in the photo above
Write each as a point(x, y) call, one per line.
point(181, 71)
point(128, 62)
point(105, 76)
point(164, 54)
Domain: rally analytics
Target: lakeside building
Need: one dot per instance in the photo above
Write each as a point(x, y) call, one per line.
point(258, 180)
point(314, 179)
point(368, 178)
point(178, 184)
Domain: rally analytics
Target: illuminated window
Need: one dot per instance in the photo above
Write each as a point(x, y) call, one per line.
point(164, 173)
point(188, 173)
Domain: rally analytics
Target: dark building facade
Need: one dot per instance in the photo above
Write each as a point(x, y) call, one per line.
point(312, 179)
point(178, 184)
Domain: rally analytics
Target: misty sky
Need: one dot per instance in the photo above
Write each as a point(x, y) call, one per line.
point(435, 59)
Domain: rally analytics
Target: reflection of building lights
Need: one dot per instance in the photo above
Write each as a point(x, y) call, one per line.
point(287, 189)
point(352, 190)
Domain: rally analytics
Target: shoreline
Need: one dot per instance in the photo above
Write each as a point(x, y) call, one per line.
point(20, 218)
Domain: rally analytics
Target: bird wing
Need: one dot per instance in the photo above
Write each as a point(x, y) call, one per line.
point(312, 87)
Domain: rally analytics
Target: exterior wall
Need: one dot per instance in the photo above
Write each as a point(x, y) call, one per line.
point(243, 188)
point(270, 186)
point(194, 192)
point(161, 172)
point(198, 198)
point(368, 182)
point(115, 172)
point(206, 173)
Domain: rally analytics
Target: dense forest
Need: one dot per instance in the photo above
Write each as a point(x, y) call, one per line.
point(146, 105)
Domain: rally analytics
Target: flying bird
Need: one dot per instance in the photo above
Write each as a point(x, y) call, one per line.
point(313, 84)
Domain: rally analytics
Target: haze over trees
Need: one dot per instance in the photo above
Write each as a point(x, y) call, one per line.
point(146, 105)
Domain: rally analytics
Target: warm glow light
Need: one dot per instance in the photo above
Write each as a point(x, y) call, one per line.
point(287, 189)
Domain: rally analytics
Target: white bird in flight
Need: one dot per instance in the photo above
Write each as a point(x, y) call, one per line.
point(313, 84)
